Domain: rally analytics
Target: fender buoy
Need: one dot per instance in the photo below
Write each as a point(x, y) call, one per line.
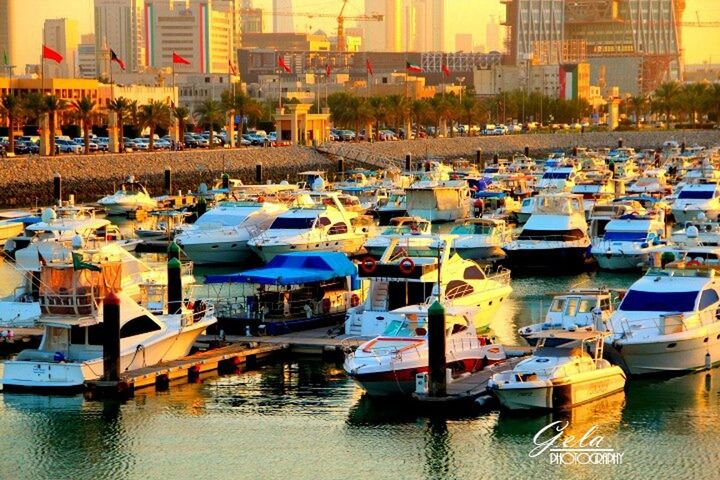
point(354, 300)
point(368, 264)
point(406, 266)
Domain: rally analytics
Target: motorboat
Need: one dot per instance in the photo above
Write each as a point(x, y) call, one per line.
point(395, 205)
point(481, 239)
point(629, 241)
point(668, 322)
point(652, 181)
point(71, 349)
point(564, 376)
point(222, 233)
point(595, 186)
point(323, 226)
point(578, 309)
point(410, 226)
point(130, 197)
point(558, 179)
point(294, 291)
point(555, 236)
point(12, 223)
point(398, 280)
point(388, 364)
point(702, 197)
point(438, 201)
point(163, 224)
point(602, 214)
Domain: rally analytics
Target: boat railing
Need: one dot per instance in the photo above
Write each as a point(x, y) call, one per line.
point(665, 324)
point(81, 301)
point(239, 306)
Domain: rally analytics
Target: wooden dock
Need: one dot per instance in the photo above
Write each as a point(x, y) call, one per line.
point(468, 388)
point(224, 359)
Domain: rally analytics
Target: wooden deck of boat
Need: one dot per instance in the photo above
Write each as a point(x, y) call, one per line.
point(187, 368)
point(469, 387)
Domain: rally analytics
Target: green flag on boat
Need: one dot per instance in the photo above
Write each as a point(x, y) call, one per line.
point(79, 264)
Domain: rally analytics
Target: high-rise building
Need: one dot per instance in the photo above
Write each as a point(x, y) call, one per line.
point(61, 34)
point(428, 31)
point(251, 20)
point(492, 36)
point(201, 31)
point(388, 35)
point(636, 41)
point(6, 34)
point(87, 60)
point(120, 25)
point(283, 23)
point(464, 42)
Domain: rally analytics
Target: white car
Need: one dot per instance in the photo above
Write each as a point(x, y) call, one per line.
point(67, 146)
point(142, 143)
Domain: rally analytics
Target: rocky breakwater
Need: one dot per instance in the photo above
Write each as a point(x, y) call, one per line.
point(27, 181)
point(447, 148)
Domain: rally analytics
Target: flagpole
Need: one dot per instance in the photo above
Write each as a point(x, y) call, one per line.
point(42, 74)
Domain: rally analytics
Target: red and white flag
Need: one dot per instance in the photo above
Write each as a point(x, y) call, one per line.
point(368, 66)
point(328, 70)
point(178, 60)
point(445, 70)
point(114, 58)
point(50, 54)
point(411, 67)
point(283, 65)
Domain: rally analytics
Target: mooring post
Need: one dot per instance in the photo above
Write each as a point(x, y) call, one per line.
point(111, 337)
point(57, 189)
point(258, 173)
point(201, 207)
point(168, 180)
point(175, 294)
point(620, 142)
point(408, 162)
point(436, 351)
point(173, 250)
point(479, 160)
point(226, 181)
point(527, 151)
point(341, 167)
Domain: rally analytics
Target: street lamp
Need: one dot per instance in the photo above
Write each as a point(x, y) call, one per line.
point(461, 81)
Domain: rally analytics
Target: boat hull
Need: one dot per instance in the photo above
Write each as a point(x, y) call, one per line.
point(218, 252)
point(619, 261)
point(564, 259)
point(434, 215)
point(348, 246)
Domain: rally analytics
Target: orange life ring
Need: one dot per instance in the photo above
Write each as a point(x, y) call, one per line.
point(406, 265)
point(260, 199)
point(368, 264)
point(354, 300)
point(693, 263)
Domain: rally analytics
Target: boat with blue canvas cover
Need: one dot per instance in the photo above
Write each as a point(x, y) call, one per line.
point(294, 291)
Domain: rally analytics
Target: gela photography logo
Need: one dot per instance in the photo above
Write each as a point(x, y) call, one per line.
point(564, 449)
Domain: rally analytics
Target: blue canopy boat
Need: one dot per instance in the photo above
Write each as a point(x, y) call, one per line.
point(294, 291)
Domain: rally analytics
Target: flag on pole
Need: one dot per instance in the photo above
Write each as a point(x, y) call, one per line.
point(328, 70)
point(116, 59)
point(411, 67)
point(368, 66)
point(50, 54)
point(283, 65)
point(177, 59)
point(233, 70)
point(445, 70)
point(80, 264)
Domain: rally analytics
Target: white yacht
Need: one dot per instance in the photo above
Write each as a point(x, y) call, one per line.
point(579, 309)
point(555, 236)
point(324, 226)
point(438, 201)
point(559, 377)
point(558, 179)
point(388, 364)
point(71, 349)
point(395, 205)
point(652, 181)
point(221, 235)
point(410, 226)
point(668, 322)
point(481, 239)
point(398, 280)
point(132, 196)
point(596, 187)
point(697, 198)
point(629, 241)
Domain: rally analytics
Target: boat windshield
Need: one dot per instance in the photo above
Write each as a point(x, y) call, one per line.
point(696, 194)
point(406, 328)
point(295, 223)
point(638, 301)
point(473, 229)
point(556, 175)
point(626, 236)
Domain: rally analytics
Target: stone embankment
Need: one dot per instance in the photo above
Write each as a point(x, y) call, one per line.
point(448, 148)
point(27, 181)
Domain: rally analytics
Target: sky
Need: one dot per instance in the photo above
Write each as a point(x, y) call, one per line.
point(461, 16)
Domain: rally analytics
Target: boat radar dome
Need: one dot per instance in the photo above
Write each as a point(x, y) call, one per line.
point(77, 242)
point(318, 184)
point(701, 216)
point(692, 231)
point(48, 215)
point(284, 182)
point(202, 189)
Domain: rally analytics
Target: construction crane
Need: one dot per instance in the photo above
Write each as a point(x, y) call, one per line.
point(700, 23)
point(340, 20)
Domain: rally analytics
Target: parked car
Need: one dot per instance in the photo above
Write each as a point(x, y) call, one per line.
point(91, 144)
point(142, 143)
point(103, 143)
point(67, 146)
point(346, 135)
point(190, 141)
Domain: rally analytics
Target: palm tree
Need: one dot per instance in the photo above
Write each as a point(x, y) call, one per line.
point(243, 106)
point(208, 114)
point(121, 107)
point(714, 100)
point(418, 112)
point(153, 115)
point(694, 98)
point(12, 107)
point(638, 102)
point(398, 111)
point(53, 105)
point(84, 109)
point(468, 110)
point(665, 99)
point(377, 107)
point(182, 114)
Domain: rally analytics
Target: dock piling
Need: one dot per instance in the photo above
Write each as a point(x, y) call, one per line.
point(258, 173)
point(479, 160)
point(226, 181)
point(175, 294)
point(341, 167)
point(57, 189)
point(168, 181)
point(201, 207)
point(436, 351)
point(111, 338)
point(527, 151)
point(408, 161)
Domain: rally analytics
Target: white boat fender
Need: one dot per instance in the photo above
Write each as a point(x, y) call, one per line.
point(708, 361)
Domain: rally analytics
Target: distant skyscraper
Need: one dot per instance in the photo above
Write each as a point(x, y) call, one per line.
point(283, 23)
point(385, 36)
point(61, 34)
point(428, 29)
point(492, 35)
point(464, 42)
point(87, 64)
point(6, 33)
point(120, 24)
